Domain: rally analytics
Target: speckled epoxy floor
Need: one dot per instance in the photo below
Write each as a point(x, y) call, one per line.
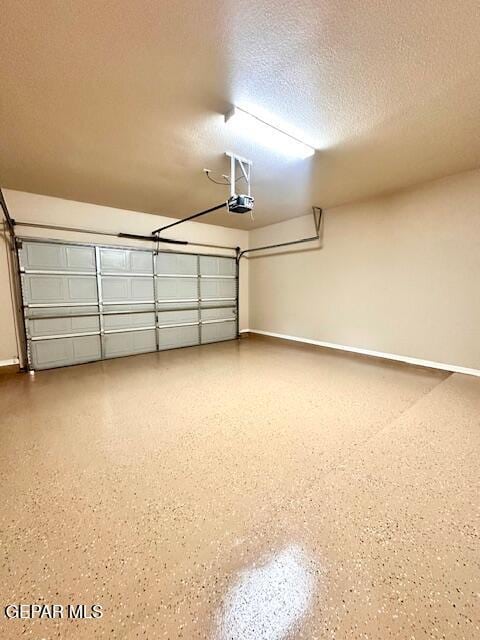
point(256, 490)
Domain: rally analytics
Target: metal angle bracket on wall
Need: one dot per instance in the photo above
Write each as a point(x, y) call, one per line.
point(317, 213)
point(317, 216)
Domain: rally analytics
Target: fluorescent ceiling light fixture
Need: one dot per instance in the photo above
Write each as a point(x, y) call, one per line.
point(267, 134)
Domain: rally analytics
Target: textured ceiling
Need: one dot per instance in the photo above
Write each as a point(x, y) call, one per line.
point(121, 103)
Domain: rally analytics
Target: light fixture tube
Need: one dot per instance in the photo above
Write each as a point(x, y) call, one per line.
point(267, 134)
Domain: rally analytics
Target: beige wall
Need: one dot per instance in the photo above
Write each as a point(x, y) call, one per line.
point(46, 210)
point(399, 275)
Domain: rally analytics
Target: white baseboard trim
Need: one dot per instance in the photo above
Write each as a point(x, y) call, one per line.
point(367, 352)
point(8, 363)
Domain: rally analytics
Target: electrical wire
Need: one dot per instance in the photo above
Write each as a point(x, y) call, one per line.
point(226, 183)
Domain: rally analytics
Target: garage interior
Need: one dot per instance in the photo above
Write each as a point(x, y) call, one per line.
point(240, 330)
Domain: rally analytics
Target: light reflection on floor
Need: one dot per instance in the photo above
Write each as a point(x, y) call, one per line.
point(267, 601)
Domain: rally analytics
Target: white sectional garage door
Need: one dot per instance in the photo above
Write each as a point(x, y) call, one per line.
point(84, 303)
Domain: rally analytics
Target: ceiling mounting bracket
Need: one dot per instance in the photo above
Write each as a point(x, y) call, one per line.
point(240, 203)
point(245, 167)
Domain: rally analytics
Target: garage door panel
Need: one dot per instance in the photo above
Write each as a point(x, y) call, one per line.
point(80, 258)
point(60, 284)
point(48, 312)
point(213, 304)
point(177, 289)
point(125, 289)
point(228, 313)
point(217, 266)
point(177, 317)
point(129, 343)
point(218, 331)
point(175, 305)
point(81, 289)
point(128, 321)
point(58, 326)
point(58, 289)
point(125, 260)
point(174, 337)
point(56, 257)
point(176, 263)
point(60, 352)
point(217, 288)
point(119, 308)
